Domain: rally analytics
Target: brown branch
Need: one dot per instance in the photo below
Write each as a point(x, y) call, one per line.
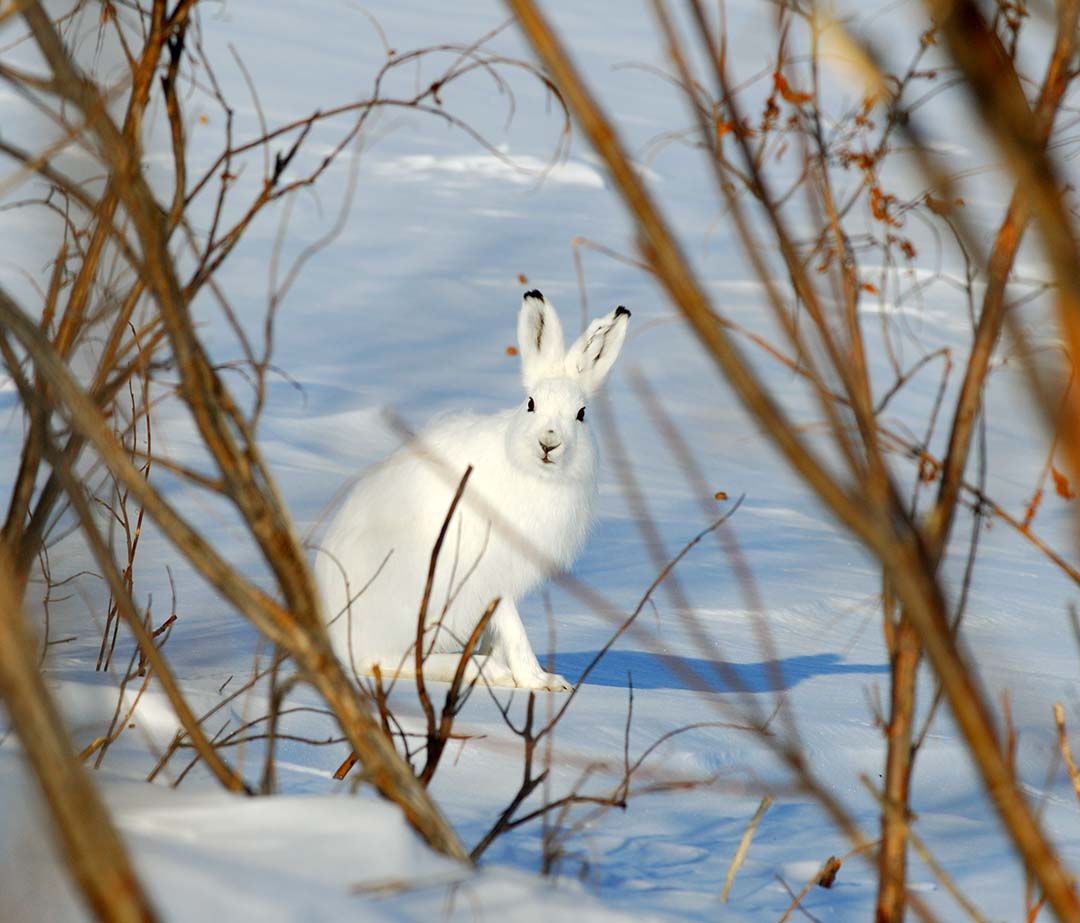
point(1021, 136)
point(905, 653)
point(95, 854)
point(122, 598)
point(999, 266)
point(421, 618)
point(297, 627)
point(436, 743)
point(529, 783)
point(892, 538)
point(1066, 751)
point(72, 320)
point(309, 647)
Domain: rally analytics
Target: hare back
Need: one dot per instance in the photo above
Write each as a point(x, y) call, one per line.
point(511, 530)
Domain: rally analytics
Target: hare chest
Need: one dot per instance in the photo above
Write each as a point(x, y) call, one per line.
point(508, 535)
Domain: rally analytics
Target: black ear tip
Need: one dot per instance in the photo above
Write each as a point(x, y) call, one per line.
point(535, 293)
point(620, 311)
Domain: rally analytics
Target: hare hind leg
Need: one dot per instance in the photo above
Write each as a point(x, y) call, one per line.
point(442, 668)
point(489, 670)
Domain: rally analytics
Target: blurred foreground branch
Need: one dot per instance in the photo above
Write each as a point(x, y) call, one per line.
point(293, 624)
point(96, 856)
point(871, 511)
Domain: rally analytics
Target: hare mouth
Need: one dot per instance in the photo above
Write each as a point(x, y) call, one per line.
point(546, 451)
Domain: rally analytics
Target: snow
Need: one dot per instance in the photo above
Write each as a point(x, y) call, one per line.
point(461, 174)
point(410, 307)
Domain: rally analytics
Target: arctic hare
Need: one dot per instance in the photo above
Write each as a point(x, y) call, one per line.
point(523, 517)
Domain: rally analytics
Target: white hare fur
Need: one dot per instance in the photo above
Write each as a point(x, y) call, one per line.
point(523, 517)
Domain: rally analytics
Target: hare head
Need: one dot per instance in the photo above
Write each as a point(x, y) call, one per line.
point(548, 435)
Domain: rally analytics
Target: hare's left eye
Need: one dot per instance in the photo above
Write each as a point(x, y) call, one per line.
point(531, 405)
point(581, 415)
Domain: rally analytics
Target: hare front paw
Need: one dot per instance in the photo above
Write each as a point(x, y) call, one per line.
point(557, 683)
point(550, 682)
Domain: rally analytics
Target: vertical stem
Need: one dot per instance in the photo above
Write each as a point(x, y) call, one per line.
point(892, 858)
point(906, 652)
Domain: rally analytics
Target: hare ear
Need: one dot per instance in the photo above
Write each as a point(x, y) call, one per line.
point(540, 339)
point(595, 351)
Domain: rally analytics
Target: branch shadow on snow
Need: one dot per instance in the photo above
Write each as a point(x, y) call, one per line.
point(667, 671)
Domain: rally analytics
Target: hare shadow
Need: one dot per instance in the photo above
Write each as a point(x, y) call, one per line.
point(667, 671)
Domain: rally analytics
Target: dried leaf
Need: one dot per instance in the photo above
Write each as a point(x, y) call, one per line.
point(790, 95)
point(868, 103)
point(880, 203)
point(746, 130)
point(1032, 508)
point(1061, 484)
point(522, 280)
point(869, 288)
point(828, 873)
point(511, 350)
point(771, 114)
point(719, 495)
point(937, 206)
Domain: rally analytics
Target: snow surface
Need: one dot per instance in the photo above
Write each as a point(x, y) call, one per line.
point(411, 306)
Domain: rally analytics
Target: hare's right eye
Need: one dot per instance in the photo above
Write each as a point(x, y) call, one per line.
point(531, 405)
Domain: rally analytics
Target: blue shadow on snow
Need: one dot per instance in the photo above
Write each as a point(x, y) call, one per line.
point(667, 671)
